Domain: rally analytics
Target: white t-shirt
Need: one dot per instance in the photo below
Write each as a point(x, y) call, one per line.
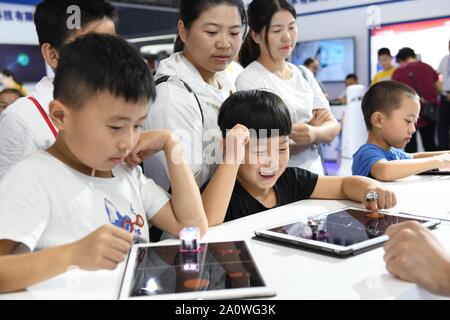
point(300, 95)
point(176, 109)
point(23, 130)
point(444, 69)
point(45, 203)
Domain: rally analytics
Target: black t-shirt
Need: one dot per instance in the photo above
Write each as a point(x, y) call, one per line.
point(294, 184)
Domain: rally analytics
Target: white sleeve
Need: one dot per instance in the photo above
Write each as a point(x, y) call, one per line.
point(153, 196)
point(319, 101)
point(175, 109)
point(16, 142)
point(24, 206)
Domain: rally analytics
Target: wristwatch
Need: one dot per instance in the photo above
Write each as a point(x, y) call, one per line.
point(371, 196)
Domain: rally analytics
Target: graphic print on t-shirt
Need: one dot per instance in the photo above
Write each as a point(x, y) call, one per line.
point(131, 223)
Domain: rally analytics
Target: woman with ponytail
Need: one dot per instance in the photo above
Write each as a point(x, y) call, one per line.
point(192, 85)
point(272, 37)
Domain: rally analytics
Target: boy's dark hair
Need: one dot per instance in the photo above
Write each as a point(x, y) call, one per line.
point(50, 18)
point(260, 14)
point(384, 97)
point(94, 63)
point(11, 90)
point(308, 62)
point(257, 110)
point(352, 76)
point(384, 51)
point(405, 53)
point(191, 10)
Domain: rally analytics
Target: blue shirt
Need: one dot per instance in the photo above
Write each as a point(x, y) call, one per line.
point(369, 154)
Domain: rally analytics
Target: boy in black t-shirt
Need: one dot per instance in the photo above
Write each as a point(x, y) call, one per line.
point(254, 176)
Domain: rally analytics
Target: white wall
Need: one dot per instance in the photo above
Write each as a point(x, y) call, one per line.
point(353, 22)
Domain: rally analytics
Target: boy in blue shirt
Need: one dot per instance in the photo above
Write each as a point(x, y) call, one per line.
point(77, 203)
point(391, 110)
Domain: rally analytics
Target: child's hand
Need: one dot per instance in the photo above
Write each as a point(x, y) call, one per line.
point(235, 141)
point(105, 248)
point(150, 142)
point(303, 134)
point(381, 199)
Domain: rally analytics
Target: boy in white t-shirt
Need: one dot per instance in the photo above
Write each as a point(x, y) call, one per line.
point(77, 203)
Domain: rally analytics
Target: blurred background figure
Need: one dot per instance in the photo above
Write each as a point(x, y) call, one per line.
point(385, 60)
point(9, 81)
point(7, 97)
point(313, 65)
point(234, 69)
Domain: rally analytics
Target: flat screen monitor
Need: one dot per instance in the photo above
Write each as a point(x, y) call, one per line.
point(428, 38)
point(25, 61)
point(336, 57)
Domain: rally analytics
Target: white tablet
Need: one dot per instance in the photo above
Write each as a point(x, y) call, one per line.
point(343, 232)
point(219, 270)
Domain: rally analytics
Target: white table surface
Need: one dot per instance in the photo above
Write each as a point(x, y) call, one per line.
point(296, 274)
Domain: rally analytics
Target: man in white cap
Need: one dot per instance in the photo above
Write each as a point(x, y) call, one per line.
point(444, 118)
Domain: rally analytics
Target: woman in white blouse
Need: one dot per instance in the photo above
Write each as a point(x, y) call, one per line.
point(272, 37)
